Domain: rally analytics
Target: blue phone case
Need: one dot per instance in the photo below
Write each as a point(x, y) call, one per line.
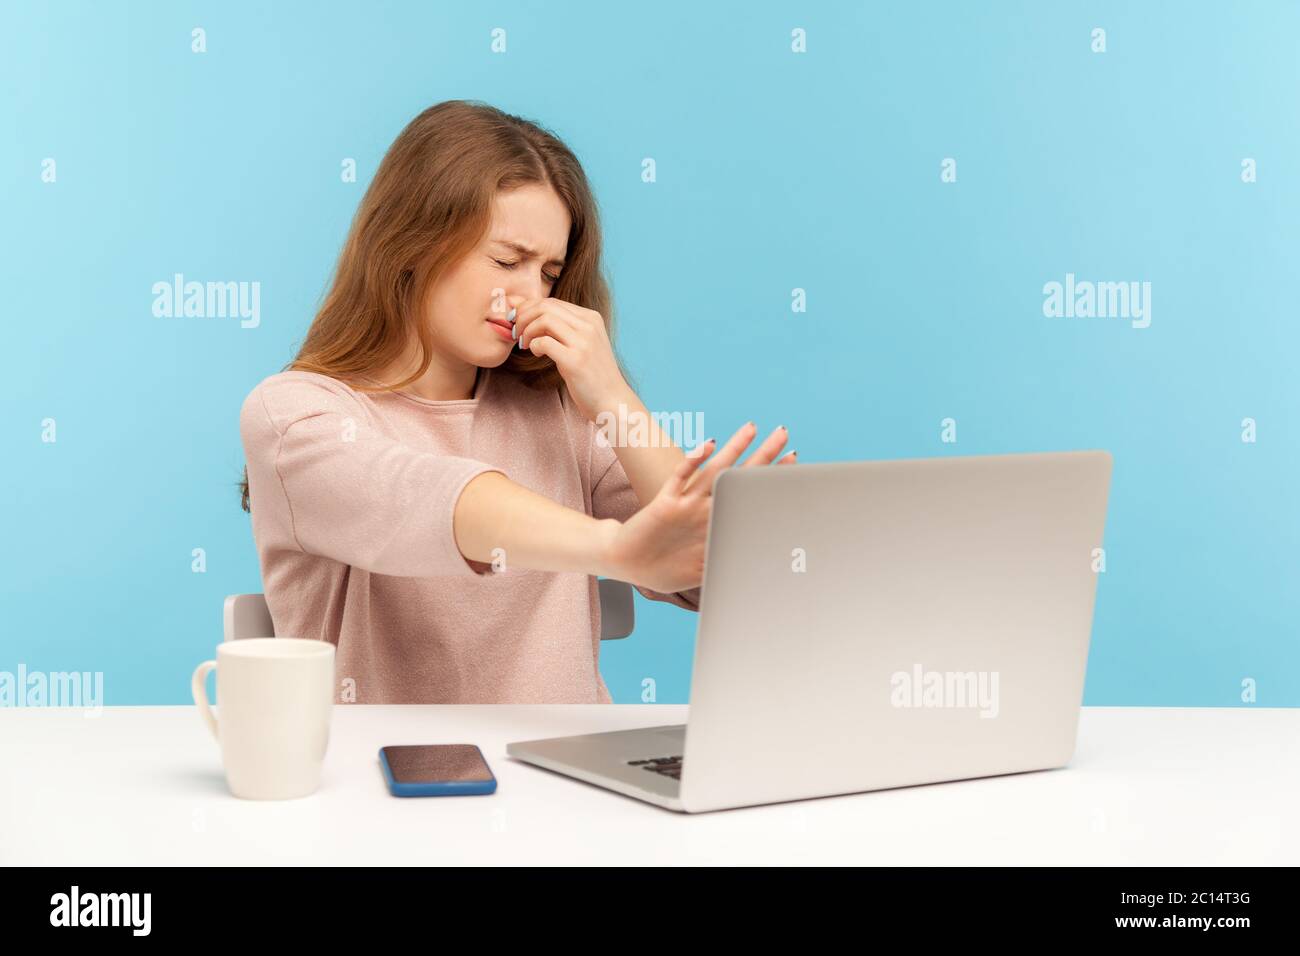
point(437, 788)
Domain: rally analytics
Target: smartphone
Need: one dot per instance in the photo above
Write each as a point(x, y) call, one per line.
point(436, 770)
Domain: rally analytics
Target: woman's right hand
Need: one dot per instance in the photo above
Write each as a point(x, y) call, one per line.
point(661, 547)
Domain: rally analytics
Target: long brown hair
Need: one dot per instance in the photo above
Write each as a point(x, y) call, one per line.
point(428, 205)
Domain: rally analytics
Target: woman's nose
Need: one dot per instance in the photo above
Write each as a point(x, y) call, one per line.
point(534, 287)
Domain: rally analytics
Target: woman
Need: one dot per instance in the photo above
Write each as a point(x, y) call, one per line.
point(428, 487)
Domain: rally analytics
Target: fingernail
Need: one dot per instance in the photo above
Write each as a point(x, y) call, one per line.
point(511, 316)
point(707, 440)
point(780, 428)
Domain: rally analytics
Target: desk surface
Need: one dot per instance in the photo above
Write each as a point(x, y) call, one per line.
point(143, 785)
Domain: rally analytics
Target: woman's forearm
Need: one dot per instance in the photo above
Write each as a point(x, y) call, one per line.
point(648, 463)
point(500, 522)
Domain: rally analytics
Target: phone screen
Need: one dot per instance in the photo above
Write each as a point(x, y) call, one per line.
point(426, 763)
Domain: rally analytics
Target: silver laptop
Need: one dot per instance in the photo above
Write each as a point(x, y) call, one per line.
point(874, 624)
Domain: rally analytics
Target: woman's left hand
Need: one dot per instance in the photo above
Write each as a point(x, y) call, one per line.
point(575, 339)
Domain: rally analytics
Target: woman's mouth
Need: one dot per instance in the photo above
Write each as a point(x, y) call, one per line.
point(503, 329)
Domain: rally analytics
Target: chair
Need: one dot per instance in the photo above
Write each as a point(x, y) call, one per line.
point(246, 615)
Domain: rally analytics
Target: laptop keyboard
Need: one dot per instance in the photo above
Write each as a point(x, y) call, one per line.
point(668, 766)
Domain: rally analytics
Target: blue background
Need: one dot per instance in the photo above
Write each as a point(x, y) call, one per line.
point(776, 171)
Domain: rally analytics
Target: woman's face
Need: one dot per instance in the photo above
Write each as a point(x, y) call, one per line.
point(522, 254)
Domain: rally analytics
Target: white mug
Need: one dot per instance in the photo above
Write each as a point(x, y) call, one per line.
point(275, 696)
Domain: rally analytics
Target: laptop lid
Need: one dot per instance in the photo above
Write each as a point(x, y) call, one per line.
point(885, 623)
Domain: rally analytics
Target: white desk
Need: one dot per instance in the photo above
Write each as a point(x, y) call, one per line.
point(143, 785)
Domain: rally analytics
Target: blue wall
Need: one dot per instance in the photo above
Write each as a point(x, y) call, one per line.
point(776, 170)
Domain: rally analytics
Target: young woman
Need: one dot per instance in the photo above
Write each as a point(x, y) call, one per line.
point(428, 486)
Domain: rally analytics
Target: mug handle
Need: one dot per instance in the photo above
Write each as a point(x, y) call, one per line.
point(200, 689)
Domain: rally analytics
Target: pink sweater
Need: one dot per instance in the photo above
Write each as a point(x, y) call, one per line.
point(352, 496)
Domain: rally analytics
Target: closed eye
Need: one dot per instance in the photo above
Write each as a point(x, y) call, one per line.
point(510, 265)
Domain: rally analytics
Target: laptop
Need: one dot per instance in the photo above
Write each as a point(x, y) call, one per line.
point(875, 624)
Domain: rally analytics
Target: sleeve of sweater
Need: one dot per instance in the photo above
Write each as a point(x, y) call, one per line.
point(612, 496)
point(325, 481)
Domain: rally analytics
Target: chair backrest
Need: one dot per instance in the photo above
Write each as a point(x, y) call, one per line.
point(617, 612)
point(246, 615)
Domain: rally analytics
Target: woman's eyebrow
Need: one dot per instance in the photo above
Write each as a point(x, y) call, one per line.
point(526, 251)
